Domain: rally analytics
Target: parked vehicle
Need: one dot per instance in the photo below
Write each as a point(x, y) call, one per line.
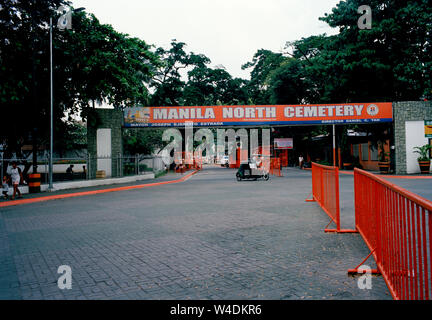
point(224, 161)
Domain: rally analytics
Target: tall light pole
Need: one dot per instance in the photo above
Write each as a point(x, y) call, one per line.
point(51, 112)
point(64, 22)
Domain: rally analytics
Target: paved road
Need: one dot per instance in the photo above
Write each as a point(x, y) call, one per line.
point(346, 195)
point(422, 187)
point(207, 238)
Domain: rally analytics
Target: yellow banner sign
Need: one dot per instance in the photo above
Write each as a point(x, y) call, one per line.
point(428, 128)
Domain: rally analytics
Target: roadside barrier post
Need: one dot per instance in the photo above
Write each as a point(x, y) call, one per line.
point(34, 184)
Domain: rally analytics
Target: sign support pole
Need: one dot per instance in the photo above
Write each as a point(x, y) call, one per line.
point(334, 145)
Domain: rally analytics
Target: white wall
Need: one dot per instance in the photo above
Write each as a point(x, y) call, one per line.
point(103, 146)
point(415, 137)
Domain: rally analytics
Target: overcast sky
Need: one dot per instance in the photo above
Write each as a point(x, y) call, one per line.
point(229, 32)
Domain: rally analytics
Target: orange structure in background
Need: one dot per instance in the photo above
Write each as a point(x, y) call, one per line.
point(275, 167)
point(185, 161)
point(266, 115)
point(283, 155)
point(235, 163)
point(368, 156)
point(284, 158)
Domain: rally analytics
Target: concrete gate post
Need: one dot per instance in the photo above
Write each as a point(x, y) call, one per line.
point(104, 141)
point(408, 117)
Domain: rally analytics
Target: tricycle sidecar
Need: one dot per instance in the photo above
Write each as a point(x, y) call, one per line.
point(245, 172)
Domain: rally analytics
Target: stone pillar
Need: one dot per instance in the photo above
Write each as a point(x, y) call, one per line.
point(105, 119)
point(402, 112)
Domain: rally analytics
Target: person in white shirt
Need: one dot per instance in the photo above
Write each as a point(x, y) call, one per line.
point(301, 162)
point(16, 177)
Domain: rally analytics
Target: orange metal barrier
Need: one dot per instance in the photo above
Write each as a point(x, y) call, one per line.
point(325, 191)
point(396, 225)
point(284, 158)
point(198, 163)
point(275, 167)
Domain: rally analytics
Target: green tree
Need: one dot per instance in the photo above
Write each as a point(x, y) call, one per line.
point(96, 63)
point(262, 64)
point(184, 78)
point(287, 83)
point(308, 53)
point(390, 62)
point(208, 86)
point(73, 136)
point(92, 62)
point(167, 82)
point(142, 141)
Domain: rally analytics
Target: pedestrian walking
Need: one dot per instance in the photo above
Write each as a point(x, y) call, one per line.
point(301, 162)
point(16, 177)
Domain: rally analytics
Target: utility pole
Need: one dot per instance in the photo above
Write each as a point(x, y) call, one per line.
point(51, 112)
point(35, 108)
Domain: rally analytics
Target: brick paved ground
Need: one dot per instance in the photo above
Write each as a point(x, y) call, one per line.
point(207, 238)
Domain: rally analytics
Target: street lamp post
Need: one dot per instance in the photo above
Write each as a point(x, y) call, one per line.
point(64, 22)
point(51, 112)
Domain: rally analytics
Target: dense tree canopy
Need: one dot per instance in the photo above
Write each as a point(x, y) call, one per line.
point(186, 79)
point(92, 62)
point(145, 142)
point(390, 62)
point(207, 86)
point(262, 64)
point(168, 82)
point(393, 60)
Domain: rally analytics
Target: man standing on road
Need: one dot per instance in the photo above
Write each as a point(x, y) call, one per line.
point(16, 177)
point(301, 161)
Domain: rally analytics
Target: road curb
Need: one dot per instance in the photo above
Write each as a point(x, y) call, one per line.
point(93, 192)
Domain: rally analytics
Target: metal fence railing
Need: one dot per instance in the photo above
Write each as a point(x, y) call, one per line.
point(60, 166)
point(84, 168)
point(325, 191)
point(396, 225)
